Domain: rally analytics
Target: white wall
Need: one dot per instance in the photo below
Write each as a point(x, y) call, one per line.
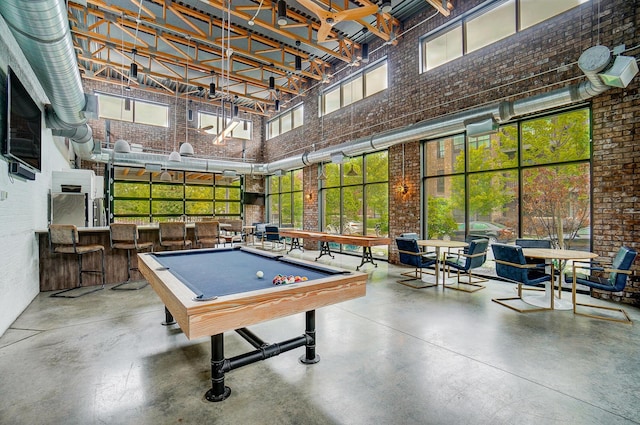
point(25, 208)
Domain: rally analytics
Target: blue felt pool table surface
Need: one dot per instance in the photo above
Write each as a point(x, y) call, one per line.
point(218, 272)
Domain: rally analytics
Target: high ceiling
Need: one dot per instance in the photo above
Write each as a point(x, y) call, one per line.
point(238, 45)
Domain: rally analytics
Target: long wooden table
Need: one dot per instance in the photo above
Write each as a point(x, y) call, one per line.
point(366, 242)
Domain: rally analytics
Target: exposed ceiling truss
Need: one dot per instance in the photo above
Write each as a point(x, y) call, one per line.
point(235, 44)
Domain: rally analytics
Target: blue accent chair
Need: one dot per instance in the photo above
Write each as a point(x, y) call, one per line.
point(534, 243)
point(618, 272)
point(511, 265)
point(272, 234)
point(411, 255)
point(464, 262)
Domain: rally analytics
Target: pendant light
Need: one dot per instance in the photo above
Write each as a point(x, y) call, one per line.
point(186, 148)
point(175, 156)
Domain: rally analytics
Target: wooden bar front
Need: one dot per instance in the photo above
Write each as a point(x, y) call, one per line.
point(59, 271)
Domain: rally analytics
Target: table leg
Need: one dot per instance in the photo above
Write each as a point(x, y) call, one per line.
point(295, 244)
point(438, 267)
point(168, 318)
point(324, 250)
point(310, 356)
point(367, 257)
point(218, 391)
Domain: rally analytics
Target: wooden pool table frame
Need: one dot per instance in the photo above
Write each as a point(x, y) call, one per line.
point(236, 311)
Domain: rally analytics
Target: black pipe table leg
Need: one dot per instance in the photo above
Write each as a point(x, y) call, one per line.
point(168, 318)
point(310, 356)
point(218, 391)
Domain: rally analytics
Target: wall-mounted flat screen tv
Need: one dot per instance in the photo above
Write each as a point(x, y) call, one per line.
point(23, 141)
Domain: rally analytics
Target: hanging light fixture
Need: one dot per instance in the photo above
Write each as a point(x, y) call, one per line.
point(175, 156)
point(121, 146)
point(133, 69)
point(386, 6)
point(212, 86)
point(282, 12)
point(186, 148)
point(298, 63)
point(364, 52)
point(165, 176)
point(272, 83)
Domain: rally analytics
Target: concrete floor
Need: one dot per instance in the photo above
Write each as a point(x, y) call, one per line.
point(397, 356)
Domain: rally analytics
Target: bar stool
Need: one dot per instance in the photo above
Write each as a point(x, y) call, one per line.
point(64, 239)
point(174, 235)
point(125, 236)
point(208, 233)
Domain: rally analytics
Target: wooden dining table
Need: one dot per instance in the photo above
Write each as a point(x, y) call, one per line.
point(438, 244)
point(548, 299)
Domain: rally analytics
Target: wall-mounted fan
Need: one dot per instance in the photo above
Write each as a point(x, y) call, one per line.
point(329, 18)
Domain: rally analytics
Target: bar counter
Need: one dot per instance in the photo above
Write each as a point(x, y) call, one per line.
point(61, 271)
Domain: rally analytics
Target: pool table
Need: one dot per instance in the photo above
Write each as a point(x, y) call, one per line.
point(211, 291)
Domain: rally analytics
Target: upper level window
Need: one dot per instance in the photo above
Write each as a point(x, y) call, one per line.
point(370, 80)
point(490, 26)
point(133, 110)
point(442, 48)
point(285, 121)
point(486, 25)
point(214, 124)
point(536, 11)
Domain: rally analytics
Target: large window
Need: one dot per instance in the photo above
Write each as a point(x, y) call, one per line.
point(143, 197)
point(355, 199)
point(480, 28)
point(284, 199)
point(490, 26)
point(133, 110)
point(286, 121)
point(214, 124)
point(367, 82)
point(531, 179)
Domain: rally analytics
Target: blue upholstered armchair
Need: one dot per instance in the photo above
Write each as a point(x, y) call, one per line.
point(511, 265)
point(534, 243)
point(411, 255)
point(272, 234)
point(611, 277)
point(464, 262)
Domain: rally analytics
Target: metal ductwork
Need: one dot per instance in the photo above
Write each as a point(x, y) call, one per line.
point(41, 28)
point(592, 61)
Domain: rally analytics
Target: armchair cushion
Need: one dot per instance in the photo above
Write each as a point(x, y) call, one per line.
point(411, 255)
point(511, 264)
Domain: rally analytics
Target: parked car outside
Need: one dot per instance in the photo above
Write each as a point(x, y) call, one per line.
point(495, 232)
point(580, 240)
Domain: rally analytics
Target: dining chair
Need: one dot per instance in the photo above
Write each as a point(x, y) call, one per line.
point(64, 239)
point(511, 265)
point(272, 234)
point(604, 276)
point(534, 243)
point(410, 254)
point(125, 236)
point(173, 235)
point(465, 262)
point(207, 233)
